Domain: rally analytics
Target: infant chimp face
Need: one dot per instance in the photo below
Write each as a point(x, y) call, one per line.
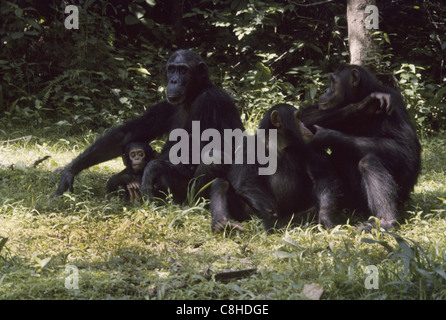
point(137, 158)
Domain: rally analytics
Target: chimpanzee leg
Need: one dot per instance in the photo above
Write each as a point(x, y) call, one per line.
point(326, 188)
point(380, 189)
point(205, 173)
point(225, 204)
point(261, 203)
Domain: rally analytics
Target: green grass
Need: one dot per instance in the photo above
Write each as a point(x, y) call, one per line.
point(153, 251)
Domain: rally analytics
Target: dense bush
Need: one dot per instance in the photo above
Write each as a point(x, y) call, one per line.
point(263, 52)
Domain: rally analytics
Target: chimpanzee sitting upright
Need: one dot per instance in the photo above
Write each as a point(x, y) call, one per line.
point(191, 96)
point(374, 154)
point(136, 156)
point(275, 197)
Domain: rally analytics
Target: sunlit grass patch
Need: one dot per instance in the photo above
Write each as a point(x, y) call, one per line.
point(146, 250)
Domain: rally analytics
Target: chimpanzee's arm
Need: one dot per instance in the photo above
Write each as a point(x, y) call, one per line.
point(375, 103)
point(350, 144)
point(129, 182)
point(155, 122)
point(118, 181)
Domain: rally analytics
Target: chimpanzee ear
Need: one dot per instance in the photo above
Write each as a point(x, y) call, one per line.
point(355, 77)
point(275, 118)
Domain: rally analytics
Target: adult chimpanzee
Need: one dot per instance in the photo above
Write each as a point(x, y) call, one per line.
point(190, 96)
point(276, 197)
point(136, 156)
point(375, 152)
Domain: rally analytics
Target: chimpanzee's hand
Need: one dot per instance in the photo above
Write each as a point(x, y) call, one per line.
point(66, 182)
point(134, 190)
point(369, 105)
point(223, 223)
point(385, 101)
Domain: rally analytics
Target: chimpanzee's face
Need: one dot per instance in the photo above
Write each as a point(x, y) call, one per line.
point(333, 96)
point(179, 76)
point(342, 91)
point(137, 159)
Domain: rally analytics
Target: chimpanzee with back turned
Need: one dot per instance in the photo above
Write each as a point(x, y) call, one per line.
point(276, 197)
point(191, 96)
point(375, 152)
point(136, 156)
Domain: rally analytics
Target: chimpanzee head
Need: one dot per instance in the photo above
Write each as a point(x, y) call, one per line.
point(187, 75)
point(349, 84)
point(137, 155)
point(286, 119)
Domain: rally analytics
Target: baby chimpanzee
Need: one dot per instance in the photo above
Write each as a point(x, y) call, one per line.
point(136, 156)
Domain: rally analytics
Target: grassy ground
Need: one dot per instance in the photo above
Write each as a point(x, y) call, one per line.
point(153, 251)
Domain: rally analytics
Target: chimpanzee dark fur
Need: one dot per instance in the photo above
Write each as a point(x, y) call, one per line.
point(375, 155)
point(190, 96)
point(276, 197)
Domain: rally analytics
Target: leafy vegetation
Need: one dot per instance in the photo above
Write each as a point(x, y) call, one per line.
point(60, 89)
point(110, 69)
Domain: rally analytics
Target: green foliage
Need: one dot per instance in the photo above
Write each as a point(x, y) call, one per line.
point(81, 78)
point(419, 275)
point(262, 52)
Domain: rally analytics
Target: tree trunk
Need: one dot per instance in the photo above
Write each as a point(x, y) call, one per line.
point(361, 24)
